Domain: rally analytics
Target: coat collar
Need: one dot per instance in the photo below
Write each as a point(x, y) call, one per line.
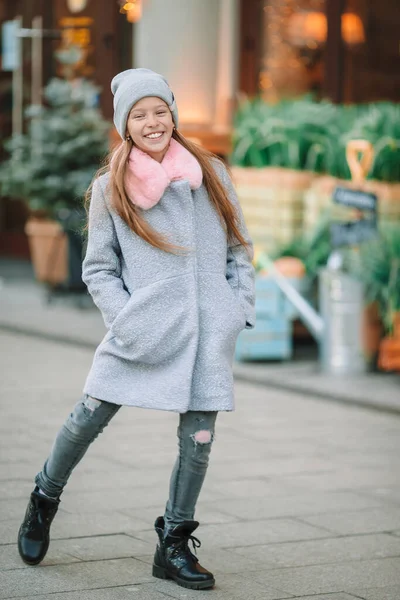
point(146, 179)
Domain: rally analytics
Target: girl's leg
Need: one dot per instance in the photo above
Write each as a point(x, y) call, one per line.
point(195, 435)
point(173, 558)
point(87, 420)
point(83, 425)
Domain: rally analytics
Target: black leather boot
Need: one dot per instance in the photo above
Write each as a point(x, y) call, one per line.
point(174, 560)
point(33, 535)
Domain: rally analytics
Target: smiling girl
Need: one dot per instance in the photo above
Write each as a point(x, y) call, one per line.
point(168, 264)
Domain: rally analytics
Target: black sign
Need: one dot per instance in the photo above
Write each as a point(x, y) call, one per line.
point(355, 199)
point(353, 233)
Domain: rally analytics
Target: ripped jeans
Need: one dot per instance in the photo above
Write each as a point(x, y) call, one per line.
point(91, 416)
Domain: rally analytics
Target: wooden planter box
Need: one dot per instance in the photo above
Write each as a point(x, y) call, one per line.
point(272, 200)
point(272, 337)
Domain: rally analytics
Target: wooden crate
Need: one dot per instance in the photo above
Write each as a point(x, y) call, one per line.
point(270, 339)
point(271, 302)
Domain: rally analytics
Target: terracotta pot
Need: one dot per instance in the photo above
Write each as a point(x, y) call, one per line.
point(372, 331)
point(49, 250)
point(389, 354)
point(396, 325)
point(289, 266)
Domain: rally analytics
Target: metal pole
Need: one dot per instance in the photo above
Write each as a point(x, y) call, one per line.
point(36, 83)
point(37, 45)
point(17, 84)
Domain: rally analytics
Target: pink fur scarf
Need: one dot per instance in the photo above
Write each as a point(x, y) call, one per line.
point(146, 179)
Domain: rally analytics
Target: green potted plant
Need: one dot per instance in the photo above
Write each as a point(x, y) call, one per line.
point(378, 266)
point(378, 123)
point(51, 167)
point(272, 164)
point(289, 157)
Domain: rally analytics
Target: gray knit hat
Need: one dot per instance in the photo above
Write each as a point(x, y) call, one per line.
point(131, 86)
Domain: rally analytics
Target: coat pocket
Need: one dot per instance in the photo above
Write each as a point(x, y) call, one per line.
point(221, 311)
point(235, 303)
point(157, 322)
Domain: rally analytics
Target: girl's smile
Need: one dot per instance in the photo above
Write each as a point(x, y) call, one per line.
point(154, 136)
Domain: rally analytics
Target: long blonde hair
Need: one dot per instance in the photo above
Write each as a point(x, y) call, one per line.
point(116, 164)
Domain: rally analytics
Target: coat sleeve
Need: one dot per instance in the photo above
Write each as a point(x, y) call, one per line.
point(101, 269)
point(239, 267)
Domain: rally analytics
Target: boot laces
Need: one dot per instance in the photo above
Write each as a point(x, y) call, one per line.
point(37, 513)
point(31, 516)
point(184, 544)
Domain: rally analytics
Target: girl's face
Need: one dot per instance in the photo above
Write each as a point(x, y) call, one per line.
point(150, 126)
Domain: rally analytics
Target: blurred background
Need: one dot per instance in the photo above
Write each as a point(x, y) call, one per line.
point(300, 98)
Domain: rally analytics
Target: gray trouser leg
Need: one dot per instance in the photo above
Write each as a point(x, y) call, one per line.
point(195, 435)
point(83, 425)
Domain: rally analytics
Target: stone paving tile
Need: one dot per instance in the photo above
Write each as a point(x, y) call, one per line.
point(297, 505)
point(361, 521)
point(341, 596)
point(10, 559)
point(9, 531)
point(80, 549)
point(349, 479)
point(285, 466)
point(392, 592)
point(313, 552)
point(108, 501)
point(20, 489)
point(103, 547)
point(114, 477)
point(280, 449)
point(71, 525)
point(80, 576)
point(306, 376)
point(333, 577)
point(127, 498)
point(145, 460)
point(39, 373)
point(250, 533)
point(204, 513)
point(228, 587)
point(230, 451)
point(67, 525)
point(364, 458)
point(145, 591)
point(264, 469)
point(390, 494)
point(245, 486)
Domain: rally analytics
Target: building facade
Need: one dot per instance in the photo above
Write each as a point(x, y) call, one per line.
point(212, 52)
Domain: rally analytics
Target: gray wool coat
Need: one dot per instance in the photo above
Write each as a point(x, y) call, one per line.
point(172, 320)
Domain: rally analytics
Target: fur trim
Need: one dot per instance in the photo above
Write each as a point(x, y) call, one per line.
point(146, 179)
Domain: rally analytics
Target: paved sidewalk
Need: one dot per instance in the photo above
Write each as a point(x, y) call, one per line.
point(23, 308)
point(302, 499)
